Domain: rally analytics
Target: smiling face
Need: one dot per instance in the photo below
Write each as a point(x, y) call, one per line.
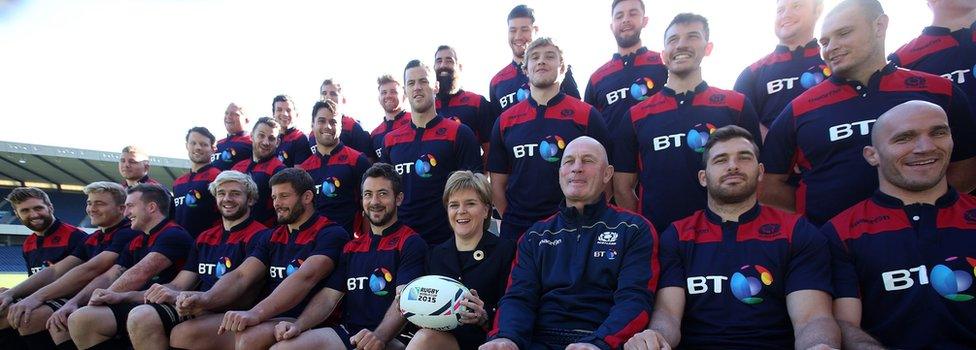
point(326, 128)
point(331, 92)
point(912, 149)
point(628, 21)
point(851, 42)
point(732, 171)
point(102, 209)
point(584, 172)
point(234, 119)
point(467, 213)
point(446, 64)
point(198, 148)
point(138, 212)
point(685, 45)
point(232, 200)
point(520, 32)
point(133, 166)
point(35, 214)
point(419, 88)
point(283, 113)
point(544, 66)
point(795, 19)
point(288, 204)
point(264, 140)
point(379, 201)
point(389, 97)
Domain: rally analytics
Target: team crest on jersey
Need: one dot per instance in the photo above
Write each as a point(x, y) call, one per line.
point(607, 238)
point(769, 230)
point(915, 82)
point(464, 99)
point(748, 282)
point(970, 216)
point(566, 112)
point(641, 87)
point(443, 131)
point(698, 136)
point(716, 98)
point(951, 284)
point(424, 165)
point(550, 146)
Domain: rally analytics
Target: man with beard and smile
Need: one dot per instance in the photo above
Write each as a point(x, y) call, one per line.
point(394, 116)
point(237, 145)
point(903, 258)
point(425, 153)
point(353, 134)
point(511, 85)
point(292, 143)
point(793, 67)
point(661, 140)
point(466, 107)
point(218, 251)
point(290, 260)
point(196, 209)
point(50, 242)
point(371, 317)
point(527, 141)
point(823, 131)
point(335, 169)
point(262, 166)
point(767, 267)
point(155, 256)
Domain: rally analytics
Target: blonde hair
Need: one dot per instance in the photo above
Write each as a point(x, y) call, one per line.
point(466, 180)
point(250, 187)
point(113, 189)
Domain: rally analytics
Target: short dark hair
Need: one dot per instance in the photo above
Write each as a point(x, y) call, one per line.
point(327, 104)
point(445, 47)
point(270, 122)
point(685, 18)
point(21, 194)
point(202, 131)
point(281, 98)
point(522, 11)
point(385, 171)
point(414, 64)
point(153, 193)
point(299, 180)
point(386, 79)
point(331, 81)
point(615, 2)
point(726, 133)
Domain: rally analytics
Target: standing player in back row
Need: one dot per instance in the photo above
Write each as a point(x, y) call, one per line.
point(353, 135)
point(425, 153)
point(394, 116)
point(293, 145)
point(195, 207)
point(262, 166)
point(823, 131)
point(633, 74)
point(793, 67)
point(237, 145)
point(511, 85)
point(527, 142)
point(661, 138)
point(466, 107)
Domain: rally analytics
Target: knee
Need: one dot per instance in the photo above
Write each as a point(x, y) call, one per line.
point(184, 336)
point(142, 320)
point(37, 321)
point(431, 339)
point(81, 319)
point(250, 338)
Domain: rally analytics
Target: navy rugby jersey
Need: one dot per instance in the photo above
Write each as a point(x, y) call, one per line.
point(293, 147)
point(353, 136)
point(57, 242)
point(219, 251)
point(775, 80)
point(623, 82)
point(938, 51)
point(510, 86)
point(527, 143)
point(468, 108)
point(662, 143)
point(825, 129)
point(370, 269)
point(284, 251)
point(912, 267)
point(196, 208)
point(425, 157)
point(593, 270)
point(232, 149)
point(261, 172)
point(144, 180)
point(168, 239)
point(736, 275)
point(112, 239)
point(385, 127)
point(337, 178)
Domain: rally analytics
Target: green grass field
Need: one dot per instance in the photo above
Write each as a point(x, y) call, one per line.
point(8, 280)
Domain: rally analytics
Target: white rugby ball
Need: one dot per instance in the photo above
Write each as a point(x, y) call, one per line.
point(433, 302)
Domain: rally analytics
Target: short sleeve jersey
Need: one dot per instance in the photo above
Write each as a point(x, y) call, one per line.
point(370, 269)
point(168, 239)
point(232, 149)
point(218, 251)
point(385, 127)
point(468, 108)
point(196, 208)
point(911, 266)
point(736, 275)
point(527, 143)
point(353, 135)
point(824, 130)
point(663, 144)
point(425, 157)
point(337, 178)
point(284, 251)
point(112, 239)
point(55, 243)
point(775, 80)
point(623, 82)
point(261, 172)
point(293, 147)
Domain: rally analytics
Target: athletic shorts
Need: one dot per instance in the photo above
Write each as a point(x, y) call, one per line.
point(54, 304)
point(121, 313)
point(168, 316)
point(345, 332)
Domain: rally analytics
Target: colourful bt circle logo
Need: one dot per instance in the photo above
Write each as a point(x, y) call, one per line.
point(746, 288)
point(640, 88)
point(228, 155)
point(698, 136)
point(378, 281)
point(191, 198)
point(293, 266)
point(329, 186)
point(814, 75)
point(950, 283)
point(522, 93)
point(550, 146)
point(283, 156)
point(223, 266)
point(424, 165)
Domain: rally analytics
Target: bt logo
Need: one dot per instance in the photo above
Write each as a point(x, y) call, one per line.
point(958, 76)
point(518, 96)
point(282, 272)
point(947, 282)
point(745, 288)
point(222, 266)
point(226, 156)
point(617, 95)
point(549, 148)
point(190, 199)
point(843, 131)
point(694, 138)
point(774, 86)
point(328, 187)
point(379, 279)
point(640, 88)
point(44, 265)
point(424, 165)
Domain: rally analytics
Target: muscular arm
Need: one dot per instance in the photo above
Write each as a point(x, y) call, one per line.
point(78, 277)
point(962, 175)
point(101, 281)
point(320, 307)
point(141, 272)
point(393, 320)
point(44, 277)
point(295, 287)
point(669, 308)
point(233, 285)
point(848, 313)
point(498, 184)
point(774, 191)
point(813, 322)
point(623, 190)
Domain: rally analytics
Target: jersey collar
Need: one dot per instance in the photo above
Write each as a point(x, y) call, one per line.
point(748, 216)
point(885, 200)
point(943, 31)
point(701, 87)
point(236, 134)
point(809, 45)
point(590, 211)
point(430, 124)
point(552, 102)
point(55, 225)
point(873, 82)
point(630, 57)
point(335, 150)
point(244, 224)
point(387, 231)
point(158, 227)
point(202, 169)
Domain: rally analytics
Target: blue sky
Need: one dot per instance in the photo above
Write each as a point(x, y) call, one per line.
point(99, 74)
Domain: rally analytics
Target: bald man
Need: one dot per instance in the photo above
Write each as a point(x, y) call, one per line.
point(903, 259)
point(599, 262)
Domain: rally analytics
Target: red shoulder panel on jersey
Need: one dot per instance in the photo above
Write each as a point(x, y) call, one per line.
point(909, 80)
point(659, 103)
point(648, 58)
point(400, 135)
point(608, 68)
point(821, 95)
point(961, 215)
point(309, 234)
point(868, 217)
point(570, 109)
point(446, 130)
point(923, 46)
point(771, 225)
point(715, 97)
point(696, 228)
point(347, 156)
point(517, 114)
point(770, 59)
point(506, 73)
point(348, 123)
point(467, 98)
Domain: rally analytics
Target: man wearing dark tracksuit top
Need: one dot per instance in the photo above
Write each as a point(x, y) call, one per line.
point(582, 279)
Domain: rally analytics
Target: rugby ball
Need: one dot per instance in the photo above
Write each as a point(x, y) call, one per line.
point(433, 302)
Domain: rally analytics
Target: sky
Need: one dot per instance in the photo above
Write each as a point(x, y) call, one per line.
point(101, 74)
